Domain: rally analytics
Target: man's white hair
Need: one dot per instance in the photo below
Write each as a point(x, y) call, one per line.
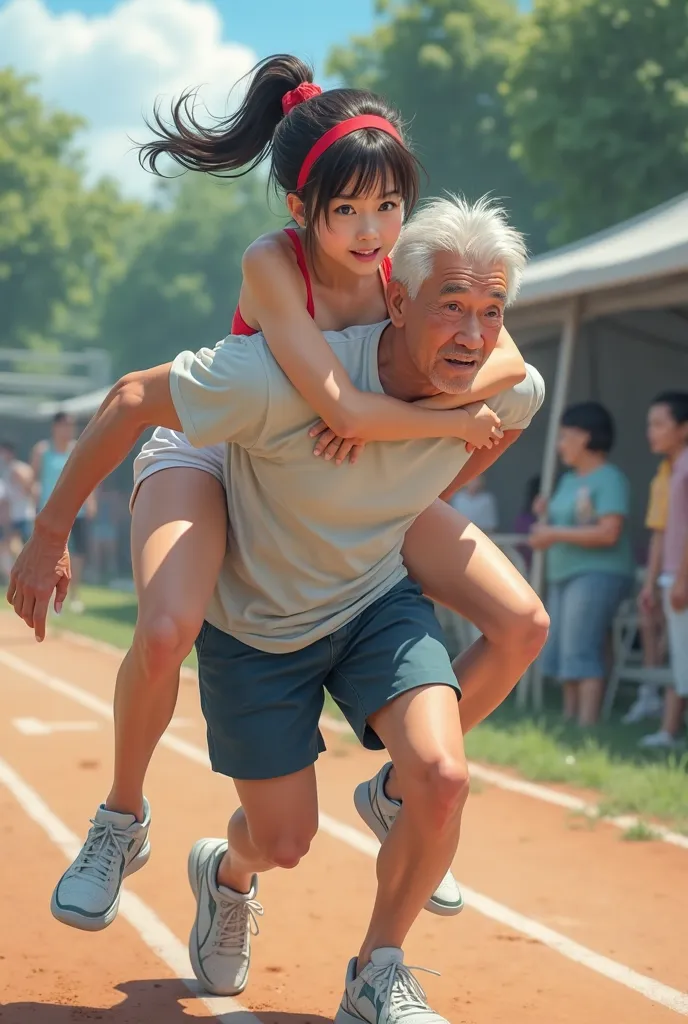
point(478, 232)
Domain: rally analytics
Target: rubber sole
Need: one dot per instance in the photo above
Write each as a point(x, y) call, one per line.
point(192, 867)
point(365, 811)
point(88, 923)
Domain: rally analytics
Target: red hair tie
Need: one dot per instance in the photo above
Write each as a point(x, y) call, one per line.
point(303, 92)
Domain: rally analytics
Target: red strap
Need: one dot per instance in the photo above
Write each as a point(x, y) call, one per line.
point(239, 325)
point(352, 124)
point(386, 267)
point(301, 261)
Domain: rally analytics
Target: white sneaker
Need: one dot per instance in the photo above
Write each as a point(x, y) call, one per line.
point(87, 895)
point(379, 811)
point(642, 708)
point(220, 940)
point(385, 992)
point(661, 740)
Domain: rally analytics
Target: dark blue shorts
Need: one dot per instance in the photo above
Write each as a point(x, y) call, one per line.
point(262, 710)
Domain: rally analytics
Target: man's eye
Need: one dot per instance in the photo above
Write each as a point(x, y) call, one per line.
point(452, 307)
point(493, 313)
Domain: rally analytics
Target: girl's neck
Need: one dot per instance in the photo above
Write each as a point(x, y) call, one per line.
point(589, 462)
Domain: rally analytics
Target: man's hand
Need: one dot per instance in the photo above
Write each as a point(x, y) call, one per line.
point(41, 568)
point(678, 596)
point(542, 536)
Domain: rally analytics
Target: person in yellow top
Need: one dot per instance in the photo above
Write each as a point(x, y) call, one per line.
point(648, 703)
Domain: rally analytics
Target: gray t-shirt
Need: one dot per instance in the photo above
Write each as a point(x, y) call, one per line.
point(310, 544)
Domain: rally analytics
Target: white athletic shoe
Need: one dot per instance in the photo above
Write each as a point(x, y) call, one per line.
point(379, 812)
point(645, 706)
point(385, 992)
point(220, 940)
point(87, 895)
point(661, 740)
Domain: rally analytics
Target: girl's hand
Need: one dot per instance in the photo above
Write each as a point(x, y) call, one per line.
point(332, 447)
point(481, 428)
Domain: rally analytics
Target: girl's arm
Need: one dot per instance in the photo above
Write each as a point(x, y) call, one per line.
point(273, 289)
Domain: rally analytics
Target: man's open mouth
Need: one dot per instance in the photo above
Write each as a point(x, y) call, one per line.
point(462, 362)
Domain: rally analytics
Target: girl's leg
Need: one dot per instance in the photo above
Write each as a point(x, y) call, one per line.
point(458, 566)
point(178, 539)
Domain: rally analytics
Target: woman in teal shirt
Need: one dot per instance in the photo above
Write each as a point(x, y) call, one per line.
point(589, 559)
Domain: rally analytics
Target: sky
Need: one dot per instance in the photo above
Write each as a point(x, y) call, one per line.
point(108, 60)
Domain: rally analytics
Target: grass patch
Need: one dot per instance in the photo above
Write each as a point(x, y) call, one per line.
point(110, 617)
point(541, 748)
point(606, 759)
point(640, 832)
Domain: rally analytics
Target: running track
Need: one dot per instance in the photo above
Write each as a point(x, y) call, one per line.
point(565, 923)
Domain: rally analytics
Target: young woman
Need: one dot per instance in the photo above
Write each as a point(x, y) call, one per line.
point(349, 179)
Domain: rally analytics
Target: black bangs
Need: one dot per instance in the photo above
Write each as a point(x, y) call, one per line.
point(362, 163)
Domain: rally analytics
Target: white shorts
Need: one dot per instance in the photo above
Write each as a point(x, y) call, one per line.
point(677, 633)
point(170, 449)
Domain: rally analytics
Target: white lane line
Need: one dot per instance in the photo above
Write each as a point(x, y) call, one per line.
point(608, 968)
point(490, 775)
point(156, 935)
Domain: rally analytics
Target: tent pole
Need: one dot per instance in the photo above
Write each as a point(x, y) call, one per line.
point(567, 348)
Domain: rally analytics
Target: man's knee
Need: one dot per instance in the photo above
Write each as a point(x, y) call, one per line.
point(287, 847)
point(165, 638)
point(436, 789)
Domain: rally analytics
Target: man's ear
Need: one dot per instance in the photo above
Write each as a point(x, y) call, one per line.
point(397, 297)
point(296, 209)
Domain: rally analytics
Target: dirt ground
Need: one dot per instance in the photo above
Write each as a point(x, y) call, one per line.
point(564, 922)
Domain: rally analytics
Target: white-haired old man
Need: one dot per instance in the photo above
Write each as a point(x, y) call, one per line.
point(313, 596)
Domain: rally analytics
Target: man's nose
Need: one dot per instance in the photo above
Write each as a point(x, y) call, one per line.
point(469, 333)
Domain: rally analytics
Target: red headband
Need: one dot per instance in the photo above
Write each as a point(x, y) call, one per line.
point(352, 124)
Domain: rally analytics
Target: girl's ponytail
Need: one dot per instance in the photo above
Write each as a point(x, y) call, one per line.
point(236, 144)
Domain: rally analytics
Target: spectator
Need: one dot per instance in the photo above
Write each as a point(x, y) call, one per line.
point(668, 435)
point(477, 504)
point(648, 703)
point(19, 482)
point(589, 561)
point(47, 461)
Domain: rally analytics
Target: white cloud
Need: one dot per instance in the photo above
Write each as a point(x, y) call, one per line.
point(111, 68)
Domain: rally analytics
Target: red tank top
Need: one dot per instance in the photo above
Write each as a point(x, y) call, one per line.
point(239, 325)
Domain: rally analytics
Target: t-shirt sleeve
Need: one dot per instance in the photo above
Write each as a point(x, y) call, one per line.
point(612, 494)
point(517, 406)
point(221, 394)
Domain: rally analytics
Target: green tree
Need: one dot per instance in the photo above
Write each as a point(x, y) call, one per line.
point(441, 63)
point(182, 286)
point(598, 97)
point(60, 243)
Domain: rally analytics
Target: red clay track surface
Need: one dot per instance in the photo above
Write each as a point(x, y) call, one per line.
point(564, 923)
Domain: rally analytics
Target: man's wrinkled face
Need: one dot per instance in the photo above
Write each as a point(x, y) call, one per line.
point(453, 323)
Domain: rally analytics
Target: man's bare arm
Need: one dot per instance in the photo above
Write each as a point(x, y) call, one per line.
point(139, 400)
point(480, 461)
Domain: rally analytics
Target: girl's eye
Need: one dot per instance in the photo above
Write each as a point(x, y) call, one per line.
point(388, 205)
point(346, 209)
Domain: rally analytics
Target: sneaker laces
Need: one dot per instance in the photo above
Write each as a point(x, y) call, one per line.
point(236, 918)
point(402, 991)
point(103, 848)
